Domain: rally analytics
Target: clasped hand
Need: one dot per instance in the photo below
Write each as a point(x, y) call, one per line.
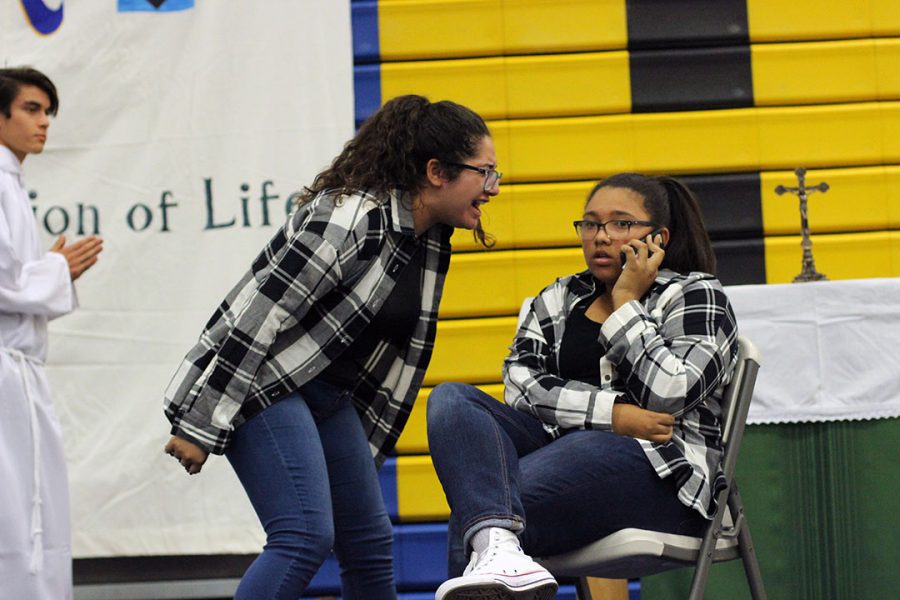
point(81, 255)
point(190, 455)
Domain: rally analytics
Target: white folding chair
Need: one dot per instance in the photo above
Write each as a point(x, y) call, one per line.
point(632, 553)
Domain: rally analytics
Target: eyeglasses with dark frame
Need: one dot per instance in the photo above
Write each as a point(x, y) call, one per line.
point(491, 176)
point(615, 229)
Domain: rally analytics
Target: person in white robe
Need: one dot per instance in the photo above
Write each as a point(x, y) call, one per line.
point(35, 286)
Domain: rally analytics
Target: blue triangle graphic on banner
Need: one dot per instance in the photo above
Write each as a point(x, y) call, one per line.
point(154, 5)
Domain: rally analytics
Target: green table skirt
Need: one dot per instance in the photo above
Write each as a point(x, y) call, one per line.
point(822, 500)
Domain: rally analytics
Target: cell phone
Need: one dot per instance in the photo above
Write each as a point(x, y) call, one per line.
point(654, 233)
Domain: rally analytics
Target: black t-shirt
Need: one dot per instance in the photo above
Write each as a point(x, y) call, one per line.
point(395, 321)
point(580, 352)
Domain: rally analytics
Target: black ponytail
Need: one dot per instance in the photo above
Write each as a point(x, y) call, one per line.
point(689, 246)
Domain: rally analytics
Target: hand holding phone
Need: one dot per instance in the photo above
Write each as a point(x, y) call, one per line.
point(623, 257)
point(637, 279)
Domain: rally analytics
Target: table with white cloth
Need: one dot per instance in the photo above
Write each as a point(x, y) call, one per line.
point(816, 469)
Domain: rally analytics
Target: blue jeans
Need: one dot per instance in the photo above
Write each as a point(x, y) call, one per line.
point(500, 468)
point(306, 465)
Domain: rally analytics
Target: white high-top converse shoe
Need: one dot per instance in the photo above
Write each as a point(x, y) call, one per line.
point(501, 572)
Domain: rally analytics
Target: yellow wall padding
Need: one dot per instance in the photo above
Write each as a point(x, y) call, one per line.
point(564, 25)
point(421, 29)
point(420, 496)
point(410, 29)
point(838, 256)
point(519, 86)
point(771, 20)
point(496, 283)
point(826, 72)
point(479, 83)
point(544, 212)
point(571, 84)
point(895, 251)
point(435, 28)
point(470, 350)
point(536, 215)
point(532, 216)
point(859, 199)
point(826, 135)
point(885, 17)
point(414, 439)
point(598, 83)
point(701, 141)
point(887, 61)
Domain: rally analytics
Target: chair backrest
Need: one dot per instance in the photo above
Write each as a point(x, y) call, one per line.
point(736, 403)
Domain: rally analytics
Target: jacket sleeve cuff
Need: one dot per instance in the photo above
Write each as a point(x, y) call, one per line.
point(213, 440)
point(599, 414)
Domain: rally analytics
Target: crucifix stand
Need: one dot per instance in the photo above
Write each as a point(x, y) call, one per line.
point(808, 273)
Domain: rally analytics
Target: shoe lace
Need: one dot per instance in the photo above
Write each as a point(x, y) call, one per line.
point(493, 552)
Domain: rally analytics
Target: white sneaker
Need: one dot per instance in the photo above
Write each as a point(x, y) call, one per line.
point(502, 572)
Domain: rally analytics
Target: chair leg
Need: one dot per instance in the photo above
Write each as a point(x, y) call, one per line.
point(745, 543)
point(707, 549)
point(701, 571)
point(583, 589)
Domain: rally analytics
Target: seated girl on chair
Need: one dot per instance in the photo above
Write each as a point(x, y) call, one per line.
point(612, 388)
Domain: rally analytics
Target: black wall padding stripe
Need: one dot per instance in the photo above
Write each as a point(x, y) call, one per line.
point(731, 204)
point(740, 262)
point(674, 23)
point(690, 79)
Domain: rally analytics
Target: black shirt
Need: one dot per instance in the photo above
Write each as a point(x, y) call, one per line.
point(395, 321)
point(580, 351)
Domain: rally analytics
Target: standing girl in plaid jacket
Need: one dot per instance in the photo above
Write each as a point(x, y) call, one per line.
point(612, 387)
point(310, 365)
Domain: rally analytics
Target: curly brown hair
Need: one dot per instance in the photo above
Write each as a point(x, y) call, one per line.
point(392, 149)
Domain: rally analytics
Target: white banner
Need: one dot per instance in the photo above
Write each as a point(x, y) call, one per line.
point(184, 129)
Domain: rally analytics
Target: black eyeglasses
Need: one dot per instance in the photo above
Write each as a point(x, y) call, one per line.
point(491, 176)
point(616, 229)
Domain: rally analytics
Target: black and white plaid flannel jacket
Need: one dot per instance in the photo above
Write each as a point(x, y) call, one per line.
point(674, 352)
point(307, 296)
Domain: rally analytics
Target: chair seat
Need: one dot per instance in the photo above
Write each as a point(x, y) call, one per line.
point(632, 553)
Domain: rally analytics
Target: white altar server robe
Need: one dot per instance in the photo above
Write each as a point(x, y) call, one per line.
point(35, 286)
